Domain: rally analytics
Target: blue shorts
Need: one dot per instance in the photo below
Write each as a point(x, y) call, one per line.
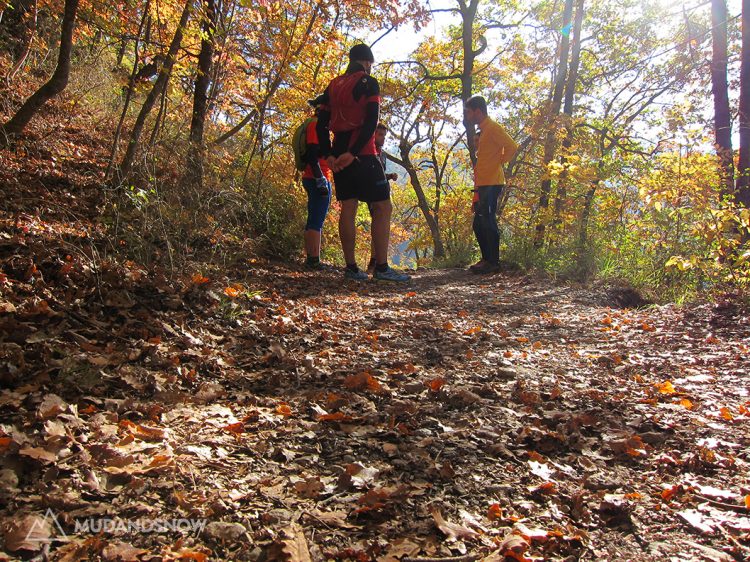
point(317, 204)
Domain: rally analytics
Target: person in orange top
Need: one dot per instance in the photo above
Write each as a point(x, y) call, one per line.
point(495, 147)
point(316, 181)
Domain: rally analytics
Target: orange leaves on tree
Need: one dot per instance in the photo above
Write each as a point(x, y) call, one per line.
point(362, 381)
point(666, 387)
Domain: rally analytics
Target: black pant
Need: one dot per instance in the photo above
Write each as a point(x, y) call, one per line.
point(485, 222)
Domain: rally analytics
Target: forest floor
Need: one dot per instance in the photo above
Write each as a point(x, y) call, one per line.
point(272, 413)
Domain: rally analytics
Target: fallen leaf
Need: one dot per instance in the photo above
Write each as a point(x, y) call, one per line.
point(309, 488)
point(666, 387)
point(453, 531)
point(685, 403)
point(144, 432)
point(231, 292)
point(283, 409)
point(495, 512)
point(117, 551)
point(335, 417)
point(436, 384)
point(51, 407)
point(362, 381)
point(291, 546)
point(29, 532)
point(39, 454)
point(398, 549)
point(696, 520)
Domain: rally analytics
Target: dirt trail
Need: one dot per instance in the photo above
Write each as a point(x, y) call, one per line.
point(298, 413)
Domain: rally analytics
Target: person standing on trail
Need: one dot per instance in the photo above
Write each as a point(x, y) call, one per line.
point(380, 132)
point(350, 109)
point(316, 181)
point(495, 147)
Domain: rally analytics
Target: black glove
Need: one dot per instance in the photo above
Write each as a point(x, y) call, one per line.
point(323, 186)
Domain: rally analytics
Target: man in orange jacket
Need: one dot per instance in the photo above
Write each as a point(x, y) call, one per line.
point(495, 147)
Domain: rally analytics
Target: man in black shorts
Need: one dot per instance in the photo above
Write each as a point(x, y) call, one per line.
point(350, 110)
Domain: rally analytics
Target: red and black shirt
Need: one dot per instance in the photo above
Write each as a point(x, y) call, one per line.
point(351, 110)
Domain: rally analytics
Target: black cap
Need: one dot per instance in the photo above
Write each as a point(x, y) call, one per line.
point(361, 52)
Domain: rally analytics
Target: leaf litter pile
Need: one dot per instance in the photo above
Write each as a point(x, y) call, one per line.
point(271, 413)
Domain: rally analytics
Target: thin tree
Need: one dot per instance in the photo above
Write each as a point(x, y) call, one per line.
point(131, 88)
point(29, 34)
point(155, 93)
point(468, 13)
point(55, 85)
point(570, 89)
point(742, 190)
point(720, 89)
point(200, 98)
point(554, 111)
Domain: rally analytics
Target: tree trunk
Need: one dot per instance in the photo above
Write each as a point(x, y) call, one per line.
point(54, 85)
point(570, 89)
point(200, 99)
point(155, 93)
point(720, 88)
point(29, 35)
point(131, 88)
point(468, 15)
point(429, 217)
point(742, 192)
point(549, 143)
